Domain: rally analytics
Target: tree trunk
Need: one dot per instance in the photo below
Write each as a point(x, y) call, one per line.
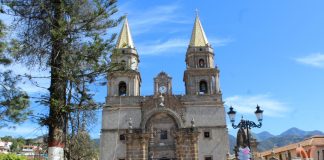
point(57, 113)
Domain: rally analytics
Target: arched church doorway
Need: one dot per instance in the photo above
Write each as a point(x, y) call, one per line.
point(161, 127)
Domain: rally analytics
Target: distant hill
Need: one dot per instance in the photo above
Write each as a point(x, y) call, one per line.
point(267, 140)
point(299, 132)
point(279, 141)
point(292, 135)
point(262, 136)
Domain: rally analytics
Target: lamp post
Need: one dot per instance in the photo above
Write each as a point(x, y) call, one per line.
point(246, 124)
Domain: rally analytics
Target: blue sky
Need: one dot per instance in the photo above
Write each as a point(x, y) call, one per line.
point(269, 53)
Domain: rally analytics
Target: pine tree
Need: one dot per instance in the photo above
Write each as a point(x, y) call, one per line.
point(69, 38)
point(13, 101)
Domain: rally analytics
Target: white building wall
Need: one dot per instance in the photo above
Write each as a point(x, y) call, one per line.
point(205, 116)
point(111, 147)
point(214, 145)
point(118, 117)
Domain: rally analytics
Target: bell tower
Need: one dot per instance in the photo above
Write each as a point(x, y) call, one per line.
point(200, 77)
point(124, 79)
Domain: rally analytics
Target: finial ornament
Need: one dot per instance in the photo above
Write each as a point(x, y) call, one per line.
point(197, 11)
point(192, 122)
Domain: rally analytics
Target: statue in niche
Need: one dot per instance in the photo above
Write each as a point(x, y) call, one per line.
point(161, 100)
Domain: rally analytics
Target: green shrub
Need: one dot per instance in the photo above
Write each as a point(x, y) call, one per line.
point(12, 157)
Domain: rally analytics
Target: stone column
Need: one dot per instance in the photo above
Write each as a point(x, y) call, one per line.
point(179, 146)
point(207, 65)
point(129, 142)
point(137, 146)
point(209, 83)
point(194, 145)
point(144, 139)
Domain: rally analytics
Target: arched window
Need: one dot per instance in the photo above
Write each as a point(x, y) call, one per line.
point(203, 87)
point(122, 88)
point(201, 63)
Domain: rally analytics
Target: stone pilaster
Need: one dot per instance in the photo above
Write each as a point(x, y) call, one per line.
point(144, 140)
point(137, 146)
point(194, 145)
point(179, 146)
point(187, 144)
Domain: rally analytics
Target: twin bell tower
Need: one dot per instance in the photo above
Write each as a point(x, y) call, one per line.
point(164, 126)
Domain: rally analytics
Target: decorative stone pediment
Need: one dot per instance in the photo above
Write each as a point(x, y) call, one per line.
point(171, 105)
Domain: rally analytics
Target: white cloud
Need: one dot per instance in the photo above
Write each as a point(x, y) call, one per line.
point(169, 19)
point(247, 104)
point(315, 60)
point(158, 47)
point(175, 45)
point(143, 21)
point(220, 42)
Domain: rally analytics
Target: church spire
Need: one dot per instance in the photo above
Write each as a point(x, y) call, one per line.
point(198, 37)
point(125, 38)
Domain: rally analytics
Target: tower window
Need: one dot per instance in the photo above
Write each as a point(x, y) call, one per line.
point(122, 88)
point(164, 134)
point(201, 63)
point(203, 87)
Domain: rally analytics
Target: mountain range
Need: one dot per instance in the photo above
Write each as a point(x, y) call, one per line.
point(267, 140)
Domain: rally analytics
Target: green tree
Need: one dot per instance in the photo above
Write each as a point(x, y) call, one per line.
point(17, 145)
point(78, 142)
point(76, 149)
point(7, 138)
point(69, 37)
point(13, 101)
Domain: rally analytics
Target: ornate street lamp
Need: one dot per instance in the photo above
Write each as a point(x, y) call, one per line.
point(246, 124)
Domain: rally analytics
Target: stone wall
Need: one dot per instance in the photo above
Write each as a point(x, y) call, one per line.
point(111, 147)
point(117, 118)
point(208, 113)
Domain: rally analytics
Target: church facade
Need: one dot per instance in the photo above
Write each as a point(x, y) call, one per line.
point(164, 126)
